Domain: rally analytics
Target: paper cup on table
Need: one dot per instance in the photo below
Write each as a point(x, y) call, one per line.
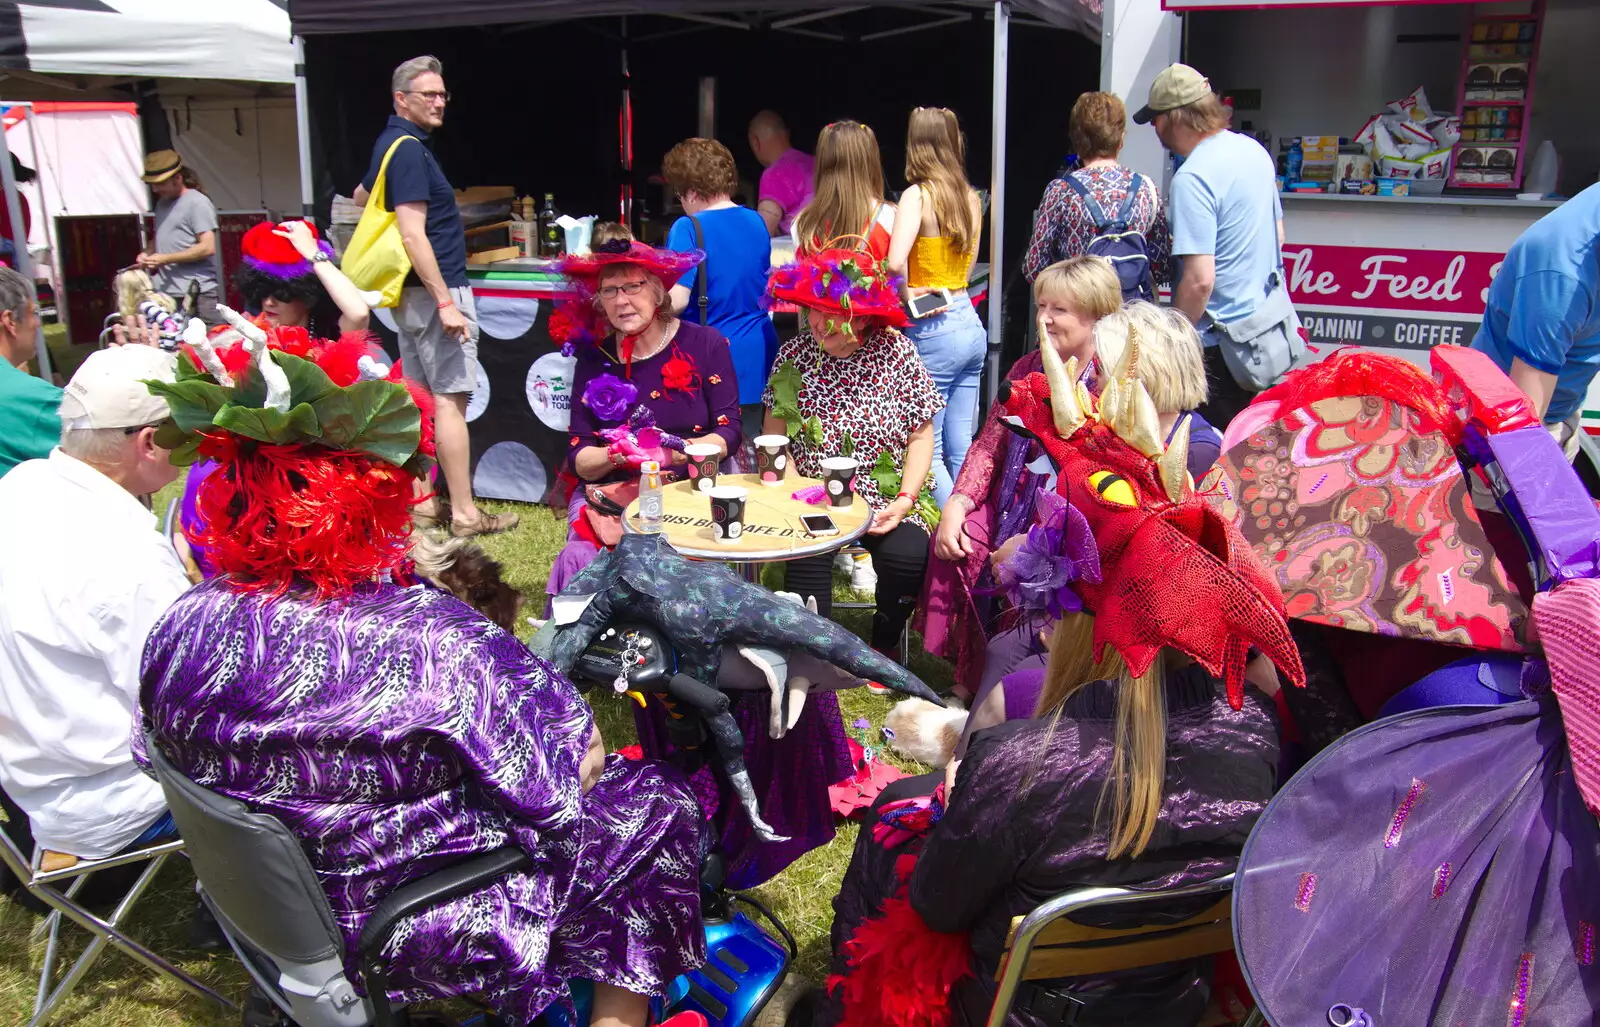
point(703, 465)
point(772, 458)
point(839, 479)
point(727, 513)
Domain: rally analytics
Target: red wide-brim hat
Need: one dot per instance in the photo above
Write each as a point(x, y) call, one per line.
point(263, 249)
point(843, 282)
point(667, 265)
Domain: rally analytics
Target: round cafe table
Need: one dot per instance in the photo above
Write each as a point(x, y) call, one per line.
point(772, 529)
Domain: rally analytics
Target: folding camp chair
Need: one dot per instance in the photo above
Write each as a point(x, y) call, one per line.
point(1046, 945)
point(46, 874)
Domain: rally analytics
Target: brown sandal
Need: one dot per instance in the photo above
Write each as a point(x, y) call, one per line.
point(424, 517)
point(486, 524)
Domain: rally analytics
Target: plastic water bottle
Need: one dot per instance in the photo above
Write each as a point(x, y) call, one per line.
point(1545, 170)
point(1293, 164)
point(650, 498)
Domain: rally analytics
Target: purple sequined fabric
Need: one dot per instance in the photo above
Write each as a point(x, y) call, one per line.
point(1456, 868)
point(1021, 827)
point(397, 731)
point(791, 778)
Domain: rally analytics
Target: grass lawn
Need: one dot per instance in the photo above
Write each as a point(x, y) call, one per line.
point(120, 993)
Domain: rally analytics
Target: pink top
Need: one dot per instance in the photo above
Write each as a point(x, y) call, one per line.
point(788, 184)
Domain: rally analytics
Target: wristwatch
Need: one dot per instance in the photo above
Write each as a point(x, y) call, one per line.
point(320, 257)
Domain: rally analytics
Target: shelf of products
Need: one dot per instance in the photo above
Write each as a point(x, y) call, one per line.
point(1496, 95)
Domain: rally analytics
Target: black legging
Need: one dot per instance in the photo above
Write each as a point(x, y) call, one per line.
point(901, 560)
point(1226, 396)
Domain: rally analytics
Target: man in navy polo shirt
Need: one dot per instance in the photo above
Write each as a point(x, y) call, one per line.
point(436, 319)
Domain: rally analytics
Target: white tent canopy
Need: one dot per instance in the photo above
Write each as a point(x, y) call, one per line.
point(238, 40)
point(88, 157)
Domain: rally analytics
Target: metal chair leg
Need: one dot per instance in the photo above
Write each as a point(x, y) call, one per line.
point(48, 971)
point(91, 952)
point(106, 932)
point(48, 924)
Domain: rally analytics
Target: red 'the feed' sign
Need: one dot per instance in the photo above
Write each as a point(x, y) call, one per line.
point(1407, 299)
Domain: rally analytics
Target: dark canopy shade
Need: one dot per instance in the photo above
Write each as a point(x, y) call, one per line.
point(327, 17)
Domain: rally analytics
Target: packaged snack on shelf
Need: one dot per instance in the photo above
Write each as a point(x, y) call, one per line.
point(1413, 107)
point(1486, 165)
point(1352, 166)
point(1392, 187)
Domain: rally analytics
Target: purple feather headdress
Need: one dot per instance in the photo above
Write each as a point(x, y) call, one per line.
point(298, 269)
point(1058, 551)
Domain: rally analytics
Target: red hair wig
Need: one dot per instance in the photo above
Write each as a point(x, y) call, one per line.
point(272, 516)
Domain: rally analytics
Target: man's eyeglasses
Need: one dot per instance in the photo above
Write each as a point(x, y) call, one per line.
point(430, 95)
point(627, 289)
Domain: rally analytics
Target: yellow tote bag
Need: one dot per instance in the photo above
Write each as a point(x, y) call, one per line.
point(376, 259)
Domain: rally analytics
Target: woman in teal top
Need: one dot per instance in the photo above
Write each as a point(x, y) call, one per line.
point(738, 256)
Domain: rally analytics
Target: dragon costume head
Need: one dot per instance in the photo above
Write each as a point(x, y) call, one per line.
point(1172, 571)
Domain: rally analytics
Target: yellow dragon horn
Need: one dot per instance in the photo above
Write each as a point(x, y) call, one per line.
point(1069, 415)
point(1174, 463)
point(1132, 413)
point(1137, 421)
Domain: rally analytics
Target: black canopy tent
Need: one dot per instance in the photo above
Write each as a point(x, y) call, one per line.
point(316, 21)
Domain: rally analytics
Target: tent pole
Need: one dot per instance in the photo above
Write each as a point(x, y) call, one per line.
point(997, 198)
point(19, 240)
point(302, 124)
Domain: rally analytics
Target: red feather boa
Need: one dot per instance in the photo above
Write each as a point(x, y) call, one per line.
point(902, 971)
point(1354, 372)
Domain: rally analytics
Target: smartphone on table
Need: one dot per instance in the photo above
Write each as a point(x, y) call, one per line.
point(819, 524)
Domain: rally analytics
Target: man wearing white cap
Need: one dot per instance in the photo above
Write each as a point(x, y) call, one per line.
point(83, 576)
point(1227, 232)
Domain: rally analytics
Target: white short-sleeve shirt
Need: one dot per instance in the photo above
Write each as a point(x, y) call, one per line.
point(84, 575)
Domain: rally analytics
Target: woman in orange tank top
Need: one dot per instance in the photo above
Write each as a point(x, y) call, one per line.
point(933, 248)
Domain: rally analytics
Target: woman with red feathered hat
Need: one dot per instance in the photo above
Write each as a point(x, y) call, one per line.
point(394, 729)
point(851, 385)
point(286, 272)
point(647, 385)
point(1146, 765)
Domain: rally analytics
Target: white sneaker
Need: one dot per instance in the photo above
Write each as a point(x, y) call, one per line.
point(843, 561)
point(862, 577)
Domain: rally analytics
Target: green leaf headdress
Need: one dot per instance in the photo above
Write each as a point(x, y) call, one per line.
point(278, 386)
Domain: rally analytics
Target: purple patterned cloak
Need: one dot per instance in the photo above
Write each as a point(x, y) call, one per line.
point(396, 731)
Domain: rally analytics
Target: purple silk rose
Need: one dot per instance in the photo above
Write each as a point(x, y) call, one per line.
point(1058, 551)
point(610, 397)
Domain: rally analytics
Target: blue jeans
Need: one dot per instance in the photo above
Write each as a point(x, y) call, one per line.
point(952, 346)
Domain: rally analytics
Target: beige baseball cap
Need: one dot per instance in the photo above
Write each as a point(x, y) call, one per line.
point(109, 391)
point(1178, 85)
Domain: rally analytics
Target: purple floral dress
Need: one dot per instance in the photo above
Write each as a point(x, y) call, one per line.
point(395, 732)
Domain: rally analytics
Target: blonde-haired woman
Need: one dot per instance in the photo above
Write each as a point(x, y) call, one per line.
point(1173, 373)
point(961, 617)
point(1145, 767)
point(933, 248)
point(1172, 370)
point(849, 195)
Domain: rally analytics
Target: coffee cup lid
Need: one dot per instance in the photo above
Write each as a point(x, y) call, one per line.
point(727, 492)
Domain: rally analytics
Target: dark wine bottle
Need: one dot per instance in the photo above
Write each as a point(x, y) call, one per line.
point(552, 237)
